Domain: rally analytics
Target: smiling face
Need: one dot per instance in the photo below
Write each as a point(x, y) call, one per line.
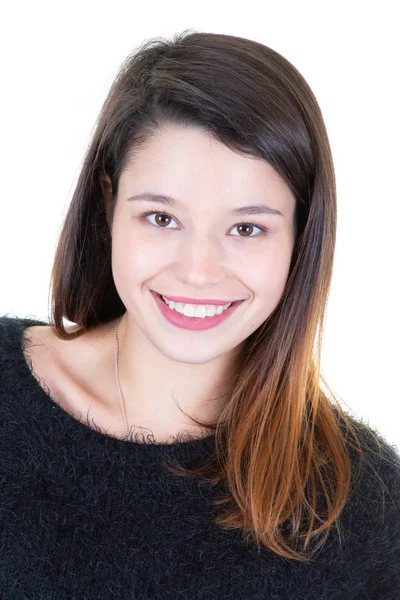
point(197, 246)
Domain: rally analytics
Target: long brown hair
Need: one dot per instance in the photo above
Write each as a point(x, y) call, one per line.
point(281, 443)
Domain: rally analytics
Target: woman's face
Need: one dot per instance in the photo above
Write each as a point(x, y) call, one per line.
point(196, 247)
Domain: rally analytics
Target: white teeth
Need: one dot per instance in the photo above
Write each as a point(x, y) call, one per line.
point(196, 310)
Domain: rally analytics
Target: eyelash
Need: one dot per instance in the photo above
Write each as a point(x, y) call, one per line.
point(263, 230)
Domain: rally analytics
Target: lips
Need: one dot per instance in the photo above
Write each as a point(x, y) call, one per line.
point(204, 303)
point(190, 323)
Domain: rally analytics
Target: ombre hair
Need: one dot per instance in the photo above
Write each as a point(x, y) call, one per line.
point(282, 444)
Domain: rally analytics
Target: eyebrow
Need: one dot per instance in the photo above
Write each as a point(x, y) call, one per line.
point(257, 209)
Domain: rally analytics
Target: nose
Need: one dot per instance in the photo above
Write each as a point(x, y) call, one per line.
point(200, 261)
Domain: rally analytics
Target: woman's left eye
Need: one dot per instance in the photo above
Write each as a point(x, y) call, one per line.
point(243, 224)
point(247, 225)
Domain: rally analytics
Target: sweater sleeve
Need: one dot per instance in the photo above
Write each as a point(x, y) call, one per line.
point(384, 569)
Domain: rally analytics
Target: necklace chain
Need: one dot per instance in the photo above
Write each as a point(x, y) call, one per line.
point(121, 402)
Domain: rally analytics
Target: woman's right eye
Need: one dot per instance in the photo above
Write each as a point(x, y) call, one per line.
point(149, 214)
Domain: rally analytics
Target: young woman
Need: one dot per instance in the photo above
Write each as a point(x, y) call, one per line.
point(175, 441)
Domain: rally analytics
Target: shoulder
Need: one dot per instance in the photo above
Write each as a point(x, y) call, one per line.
point(14, 371)
point(12, 330)
point(373, 508)
point(376, 469)
point(378, 456)
point(13, 362)
point(9, 324)
point(17, 333)
point(373, 513)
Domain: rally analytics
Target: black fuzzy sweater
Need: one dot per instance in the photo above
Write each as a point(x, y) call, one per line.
point(84, 515)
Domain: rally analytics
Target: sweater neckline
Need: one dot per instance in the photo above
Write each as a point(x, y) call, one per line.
point(184, 446)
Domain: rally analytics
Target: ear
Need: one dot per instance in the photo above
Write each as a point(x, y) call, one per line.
point(106, 186)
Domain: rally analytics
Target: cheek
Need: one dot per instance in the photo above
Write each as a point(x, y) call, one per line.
point(135, 259)
point(269, 275)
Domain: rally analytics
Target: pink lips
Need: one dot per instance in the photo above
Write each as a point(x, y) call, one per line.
point(185, 300)
point(193, 324)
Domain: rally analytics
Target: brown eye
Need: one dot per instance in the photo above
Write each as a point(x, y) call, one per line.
point(163, 220)
point(160, 219)
point(247, 229)
point(245, 226)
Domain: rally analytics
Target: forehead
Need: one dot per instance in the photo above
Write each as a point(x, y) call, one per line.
point(183, 162)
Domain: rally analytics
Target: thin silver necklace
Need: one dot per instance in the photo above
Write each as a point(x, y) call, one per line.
point(121, 402)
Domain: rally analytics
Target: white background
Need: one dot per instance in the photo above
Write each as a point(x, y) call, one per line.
point(58, 61)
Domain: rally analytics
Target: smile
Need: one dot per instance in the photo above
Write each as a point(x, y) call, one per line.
point(199, 311)
point(194, 317)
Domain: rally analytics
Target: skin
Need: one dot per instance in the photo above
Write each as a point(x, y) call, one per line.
point(199, 252)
